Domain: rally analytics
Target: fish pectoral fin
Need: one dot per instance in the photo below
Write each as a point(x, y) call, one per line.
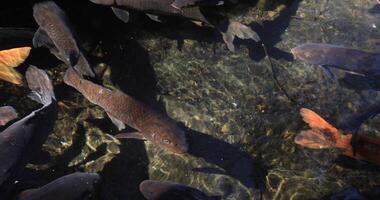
point(26, 193)
point(119, 124)
point(237, 29)
point(122, 14)
point(198, 23)
point(131, 135)
point(41, 39)
point(330, 75)
point(154, 17)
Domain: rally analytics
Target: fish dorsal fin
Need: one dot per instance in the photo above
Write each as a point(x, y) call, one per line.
point(123, 15)
point(131, 135)
point(41, 39)
point(154, 17)
point(315, 121)
point(26, 193)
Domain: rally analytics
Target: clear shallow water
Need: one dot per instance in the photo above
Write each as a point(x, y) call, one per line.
point(240, 126)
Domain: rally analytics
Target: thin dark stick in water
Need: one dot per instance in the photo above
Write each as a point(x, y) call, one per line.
point(274, 75)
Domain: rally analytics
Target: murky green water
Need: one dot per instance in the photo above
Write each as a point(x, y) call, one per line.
point(240, 126)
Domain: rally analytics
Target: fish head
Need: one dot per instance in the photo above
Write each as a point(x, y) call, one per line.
point(169, 136)
point(154, 190)
point(310, 53)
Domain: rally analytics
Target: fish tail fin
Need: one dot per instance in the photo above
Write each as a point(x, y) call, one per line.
point(317, 122)
point(315, 139)
point(322, 134)
point(237, 29)
point(40, 84)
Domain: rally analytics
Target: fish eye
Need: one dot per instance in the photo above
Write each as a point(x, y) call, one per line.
point(166, 141)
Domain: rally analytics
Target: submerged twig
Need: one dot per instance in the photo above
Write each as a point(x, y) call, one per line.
point(274, 75)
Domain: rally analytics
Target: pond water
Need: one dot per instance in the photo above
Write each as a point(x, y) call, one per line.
point(240, 113)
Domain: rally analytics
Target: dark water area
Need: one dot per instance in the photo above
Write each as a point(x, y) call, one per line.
point(240, 111)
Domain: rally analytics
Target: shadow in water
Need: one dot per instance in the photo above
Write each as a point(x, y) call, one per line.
point(131, 70)
point(356, 164)
point(270, 33)
point(122, 176)
point(357, 82)
point(234, 161)
point(375, 9)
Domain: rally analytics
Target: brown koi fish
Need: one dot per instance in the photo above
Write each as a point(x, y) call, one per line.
point(124, 109)
point(323, 135)
point(56, 34)
point(189, 9)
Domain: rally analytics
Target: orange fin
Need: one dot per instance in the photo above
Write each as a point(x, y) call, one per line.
point(317, 122)
point(322, 132)
point(315, 139)
point(9, 59)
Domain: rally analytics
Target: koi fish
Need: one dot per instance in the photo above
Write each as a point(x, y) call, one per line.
point(74, 186)
point(56, 34)
point(323, 135)
point(124, 109)
point(350, 60)
point(183, 8)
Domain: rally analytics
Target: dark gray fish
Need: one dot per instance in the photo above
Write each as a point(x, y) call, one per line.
point(164, 190)
point(346, 194)
point(353, 122)
point(56, 34)
point(76, 186)
point(15, 37)
point(124, 109)
point(7, 113)
point(350, 60)
point(20, 141)
point(229, 29)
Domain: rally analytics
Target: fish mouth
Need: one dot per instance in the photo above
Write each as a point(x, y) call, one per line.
point(180, 150)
